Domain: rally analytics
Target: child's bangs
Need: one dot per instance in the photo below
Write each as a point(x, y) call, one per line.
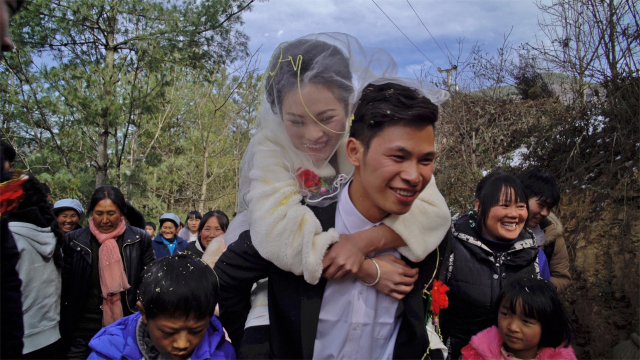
point(515, 303)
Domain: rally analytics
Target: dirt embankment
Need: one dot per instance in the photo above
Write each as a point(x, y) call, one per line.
point(602, 231)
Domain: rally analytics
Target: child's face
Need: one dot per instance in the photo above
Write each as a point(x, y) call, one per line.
point(521, 335)
point(176, 337)
point(150, 230)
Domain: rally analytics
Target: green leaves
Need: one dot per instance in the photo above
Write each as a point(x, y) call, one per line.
point(130, 70)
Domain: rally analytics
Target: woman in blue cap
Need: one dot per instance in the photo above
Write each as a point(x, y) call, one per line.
point(167, 242)
point(68, 213)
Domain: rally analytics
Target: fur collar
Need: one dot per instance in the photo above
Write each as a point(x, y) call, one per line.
point(487, 344)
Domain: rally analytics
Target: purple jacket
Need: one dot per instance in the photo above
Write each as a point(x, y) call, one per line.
point(118, 341)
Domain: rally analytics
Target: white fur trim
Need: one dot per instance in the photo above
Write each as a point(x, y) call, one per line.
point(213, 252)
point(283, 230)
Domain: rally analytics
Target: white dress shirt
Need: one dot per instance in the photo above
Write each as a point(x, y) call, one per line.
point(356, 321)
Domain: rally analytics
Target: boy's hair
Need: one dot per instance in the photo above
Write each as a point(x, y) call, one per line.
point(389, 104)
point(537, 183)
point(540, 301)
point(193, 215)
point(152, 224)
point(497, 189)
point(178, 285)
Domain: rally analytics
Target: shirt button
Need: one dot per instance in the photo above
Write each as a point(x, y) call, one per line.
point(504, 276)
point(361, 291)
point(495, 276)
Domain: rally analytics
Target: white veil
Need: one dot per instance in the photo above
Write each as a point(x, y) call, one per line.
point(335, 62)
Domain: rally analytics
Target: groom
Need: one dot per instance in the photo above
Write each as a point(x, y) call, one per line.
point(391, 146)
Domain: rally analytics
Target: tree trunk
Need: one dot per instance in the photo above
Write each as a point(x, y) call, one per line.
point(203, 188)
point(102, 158)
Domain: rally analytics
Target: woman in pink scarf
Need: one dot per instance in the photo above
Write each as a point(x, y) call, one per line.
point(101, 273)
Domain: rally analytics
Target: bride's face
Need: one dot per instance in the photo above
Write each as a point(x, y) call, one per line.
point(317, 128)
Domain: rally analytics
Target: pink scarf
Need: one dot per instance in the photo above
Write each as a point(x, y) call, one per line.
point(113, 280)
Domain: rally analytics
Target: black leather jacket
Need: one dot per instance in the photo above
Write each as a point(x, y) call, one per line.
point(76, 250)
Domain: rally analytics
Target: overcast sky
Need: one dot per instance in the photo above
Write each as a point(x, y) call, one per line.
point(476, 21)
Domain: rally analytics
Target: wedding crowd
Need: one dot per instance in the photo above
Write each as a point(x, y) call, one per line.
point(342, 246)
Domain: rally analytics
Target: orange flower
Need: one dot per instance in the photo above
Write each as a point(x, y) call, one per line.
point(439, 299)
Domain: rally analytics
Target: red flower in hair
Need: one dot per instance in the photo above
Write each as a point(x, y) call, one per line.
point(439, 299)
point(308, 179)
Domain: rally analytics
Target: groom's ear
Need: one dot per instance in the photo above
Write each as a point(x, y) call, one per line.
point(355, 151)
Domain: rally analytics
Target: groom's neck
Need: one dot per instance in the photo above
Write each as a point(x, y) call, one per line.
point(364, 201)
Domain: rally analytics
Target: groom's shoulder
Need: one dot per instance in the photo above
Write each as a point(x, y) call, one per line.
point(325, 214)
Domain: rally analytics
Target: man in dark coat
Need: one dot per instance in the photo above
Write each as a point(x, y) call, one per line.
point(392, 150)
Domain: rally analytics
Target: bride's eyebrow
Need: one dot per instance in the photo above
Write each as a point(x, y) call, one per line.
point(324, 112)
point(294, 114)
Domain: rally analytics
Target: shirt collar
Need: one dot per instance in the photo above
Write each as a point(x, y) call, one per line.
point(353, 220)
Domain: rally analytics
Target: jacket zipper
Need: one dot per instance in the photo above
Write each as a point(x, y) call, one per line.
point(126, 292)
point(82, 246)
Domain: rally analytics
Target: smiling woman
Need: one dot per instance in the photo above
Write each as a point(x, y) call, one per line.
point(68, 213)
point(101, 272)
point(487, 250)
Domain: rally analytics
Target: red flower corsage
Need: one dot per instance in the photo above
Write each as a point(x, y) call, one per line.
point(436, 300)
point(439, 299)
point(311, 181)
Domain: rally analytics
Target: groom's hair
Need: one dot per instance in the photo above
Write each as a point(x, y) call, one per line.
point(389, 104)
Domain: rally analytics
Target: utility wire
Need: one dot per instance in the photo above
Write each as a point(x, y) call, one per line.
point(405, 35)
point(425, 26)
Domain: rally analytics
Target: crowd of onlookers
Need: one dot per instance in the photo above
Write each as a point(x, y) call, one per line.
point(75, 280)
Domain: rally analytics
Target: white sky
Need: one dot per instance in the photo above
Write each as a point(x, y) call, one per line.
point(482, 21)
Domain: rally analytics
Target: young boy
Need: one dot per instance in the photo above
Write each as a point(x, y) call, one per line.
point(150, 227)
point(176, 318)
point(543, 193)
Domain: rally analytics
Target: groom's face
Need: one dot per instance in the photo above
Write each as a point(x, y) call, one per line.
point(397, 167)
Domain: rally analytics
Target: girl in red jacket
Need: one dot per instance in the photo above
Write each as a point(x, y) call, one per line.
point(532, 324)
